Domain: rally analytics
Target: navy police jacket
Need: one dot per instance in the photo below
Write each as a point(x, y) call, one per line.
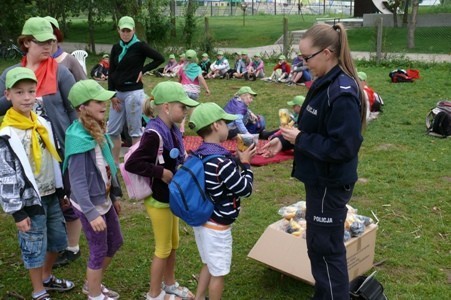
point(326, 150)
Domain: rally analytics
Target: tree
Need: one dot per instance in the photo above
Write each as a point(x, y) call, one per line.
point(394, 5)
point(13, 15)
point(190, 23)
point(412, 25)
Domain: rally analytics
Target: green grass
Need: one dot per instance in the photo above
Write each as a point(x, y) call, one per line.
point(405, 180)
point(261, 30)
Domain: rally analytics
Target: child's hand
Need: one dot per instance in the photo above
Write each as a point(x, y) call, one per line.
point(117, 206)
point(98, 224)
point(246, 156)
point(24, 225)
point(272, 148)
point(167, 176)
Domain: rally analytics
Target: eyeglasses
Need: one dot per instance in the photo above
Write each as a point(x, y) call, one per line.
point(45, 43)
point(308, 57)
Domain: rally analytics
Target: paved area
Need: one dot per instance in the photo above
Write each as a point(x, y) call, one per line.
point(276, 49)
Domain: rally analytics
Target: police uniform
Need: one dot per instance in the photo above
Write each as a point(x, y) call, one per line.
point(325, 160)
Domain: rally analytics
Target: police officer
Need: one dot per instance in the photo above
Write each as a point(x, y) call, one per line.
point(326, 145)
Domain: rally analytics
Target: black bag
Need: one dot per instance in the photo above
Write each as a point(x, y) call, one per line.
point(366, 288)
point(438, 120)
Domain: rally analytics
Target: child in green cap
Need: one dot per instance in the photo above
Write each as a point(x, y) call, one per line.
point(296, 104)
point(31, 183)
point(171, 106)
point(226, 182)
point(94, 185)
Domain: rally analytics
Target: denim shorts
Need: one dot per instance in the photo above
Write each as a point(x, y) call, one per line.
point(33, 243)
point(56, 225)
point(130, 114)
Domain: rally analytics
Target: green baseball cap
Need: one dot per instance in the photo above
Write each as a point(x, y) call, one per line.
point(298, 100)
point(362, 76)
point(244, 52)
point(105, 56)
point(17, 74)
point(39, 28)
point(171, 91)
point(182, 55)
point(190, 54)
point(220, 52)
point(257, 54)
point(282, 57)
point(53, 21)
point(86, 90)
point(206, 114)
point(126, 22)
point(171, 56)
point(246, 90)
point(205, 55)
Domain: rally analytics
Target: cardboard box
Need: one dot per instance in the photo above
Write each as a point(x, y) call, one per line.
point(287, 253)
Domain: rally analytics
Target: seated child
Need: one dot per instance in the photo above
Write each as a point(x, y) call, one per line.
point(169, 69)
point(100, 70)
point(256, 68)
point(205, 64)
point(296, 104)
point(299, 72)
point(219, 67)
point(236, 68)
point(246, 122)
point(243, 63)
point(31, 184)
point(374, 101)
point(226, 182)
point(281, 71)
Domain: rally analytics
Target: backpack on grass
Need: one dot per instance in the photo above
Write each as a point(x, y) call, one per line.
point(138, 187)
point(400, 75)
point(187, 197)
point(438, 120)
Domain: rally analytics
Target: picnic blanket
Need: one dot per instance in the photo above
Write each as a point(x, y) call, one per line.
point(193, 142)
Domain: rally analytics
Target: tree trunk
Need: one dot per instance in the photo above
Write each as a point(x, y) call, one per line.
point(173, 21)
point(92, 44)
point(412, 25)
point(405, 17)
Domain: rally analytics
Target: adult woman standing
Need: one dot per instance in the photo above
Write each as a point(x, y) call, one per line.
point(126, 69)
point(54, 80)
point(61, 56)
point(326, 145)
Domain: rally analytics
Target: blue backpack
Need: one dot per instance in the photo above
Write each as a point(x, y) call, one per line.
point(187, 197)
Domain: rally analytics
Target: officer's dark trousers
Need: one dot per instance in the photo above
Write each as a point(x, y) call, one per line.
point(326, 213)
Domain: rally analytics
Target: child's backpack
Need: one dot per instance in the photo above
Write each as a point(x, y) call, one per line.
point(438, 120)
point(187, 197)
point(400, 75)
point(139, 187)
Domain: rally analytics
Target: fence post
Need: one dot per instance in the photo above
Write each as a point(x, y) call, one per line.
point(285, 36)
point(380, 26)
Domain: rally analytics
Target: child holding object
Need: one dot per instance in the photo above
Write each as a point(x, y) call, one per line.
point(171, 105)
point(92, 175)
point(226, 182)
point(30, 182)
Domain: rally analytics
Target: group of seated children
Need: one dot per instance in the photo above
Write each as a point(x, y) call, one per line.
point(247, 68)
point(291, 74)
point(248, 122)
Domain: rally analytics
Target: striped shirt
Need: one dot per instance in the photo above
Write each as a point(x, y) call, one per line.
point(226, 184)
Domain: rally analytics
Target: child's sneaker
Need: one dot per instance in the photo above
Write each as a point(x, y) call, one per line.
point(60, 285)
point(105, 291)
point(45, 296)
point(177, 290)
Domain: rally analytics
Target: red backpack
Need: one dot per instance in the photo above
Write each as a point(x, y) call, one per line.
point(400, 75)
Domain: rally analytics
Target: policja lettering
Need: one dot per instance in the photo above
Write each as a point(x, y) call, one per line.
point(327, 220)
point(312, 110)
